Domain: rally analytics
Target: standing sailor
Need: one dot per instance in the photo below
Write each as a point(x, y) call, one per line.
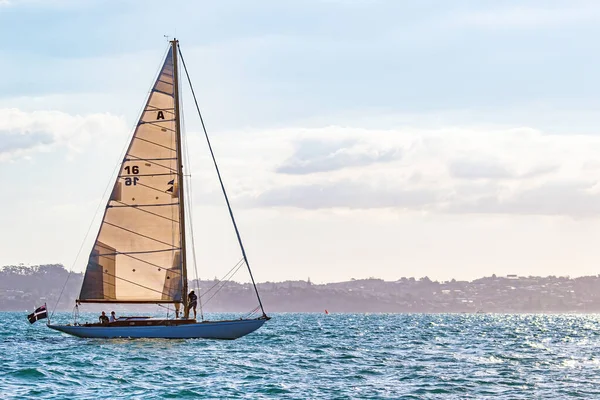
point(192, 302)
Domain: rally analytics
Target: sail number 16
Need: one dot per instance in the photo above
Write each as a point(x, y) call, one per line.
point(132, 170)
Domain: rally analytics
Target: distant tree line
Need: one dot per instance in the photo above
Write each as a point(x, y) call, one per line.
point(24, 287)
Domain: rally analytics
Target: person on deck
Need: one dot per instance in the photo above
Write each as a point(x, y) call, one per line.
point(192, 302)
point(177, 307)
point(113, 317)
point(103, 319)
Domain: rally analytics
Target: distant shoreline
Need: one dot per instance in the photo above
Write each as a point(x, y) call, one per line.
point(22, 288)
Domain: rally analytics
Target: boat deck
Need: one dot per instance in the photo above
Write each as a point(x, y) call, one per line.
point(142, 321)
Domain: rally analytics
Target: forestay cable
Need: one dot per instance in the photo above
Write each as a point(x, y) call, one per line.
point(237, 232)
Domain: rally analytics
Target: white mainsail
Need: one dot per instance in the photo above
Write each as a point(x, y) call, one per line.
point(137, 255)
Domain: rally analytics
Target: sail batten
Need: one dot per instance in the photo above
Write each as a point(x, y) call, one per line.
point(149, 263)
point(129, 301)
point(138, 252)
point(155, 124)
point(139, 206)
point(110, 283)
point(137, 256)
point(155, 144)
point(139, 175)
point(139, 234)
point(150, 159)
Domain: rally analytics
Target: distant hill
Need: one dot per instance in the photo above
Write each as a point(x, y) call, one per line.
point(22, 288)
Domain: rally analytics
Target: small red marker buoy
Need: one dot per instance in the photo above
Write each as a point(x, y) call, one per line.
point(326, 312)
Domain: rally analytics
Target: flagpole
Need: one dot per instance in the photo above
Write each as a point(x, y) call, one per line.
point(46, 307)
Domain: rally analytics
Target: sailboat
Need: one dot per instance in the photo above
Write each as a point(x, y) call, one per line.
point(139, 255)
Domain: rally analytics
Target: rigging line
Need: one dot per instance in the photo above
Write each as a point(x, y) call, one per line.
point(158, 124)
point(189, 196)
point(156, 164)
point(237, 232)
point(79, 251)
point(225, 278)
point(154, 143)
point(143, 261)
point(137, 207)
point(250, 313)
point(168, 111)
point(138, 175)
point(162, 92)
point(167, 307)
point(223, 285)
point(152, 159)
point(237, 265)
point(150, 107)
point(128, 281)
point(116, 253)
point(149, 187)
point(137, 233)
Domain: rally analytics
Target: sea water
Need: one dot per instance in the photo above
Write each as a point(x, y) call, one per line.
point(315, 356)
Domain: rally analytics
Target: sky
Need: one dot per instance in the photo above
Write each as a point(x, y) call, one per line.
point(356, 138)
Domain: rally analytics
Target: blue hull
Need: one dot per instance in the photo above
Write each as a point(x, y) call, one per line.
point(201, 330)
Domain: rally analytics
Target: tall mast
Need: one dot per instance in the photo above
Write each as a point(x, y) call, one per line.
point(174, 44)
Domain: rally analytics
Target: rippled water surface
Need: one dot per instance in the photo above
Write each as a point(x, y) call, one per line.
point(316, 356)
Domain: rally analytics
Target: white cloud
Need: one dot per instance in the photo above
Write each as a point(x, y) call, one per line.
point(483, 169)
point(346, 194)
point(453, 170)
point(312, 156)
point(492, 169)
point(464, 170)
point(363, 210)
point(13, 142)
point(24, 133)
point(578, 199)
